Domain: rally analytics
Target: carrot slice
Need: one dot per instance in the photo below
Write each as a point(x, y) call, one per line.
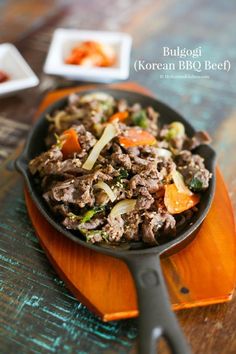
point(177, 202)
point(136, 137)
point(71, 143)
point(121, 116)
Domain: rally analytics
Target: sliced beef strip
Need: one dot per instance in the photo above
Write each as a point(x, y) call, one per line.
point(122, 105)
point(153, 174)
point(93, 224)
point(131, 229)
point(39, 164)
point(138, 164)
point(62, 192)
point(120, 159)
point(152, 184)
point(166, 166)
point(150, 164)
point(139, 189)
point(144, 202)
point(76, 190)
point(144, 166)
point(133, 151)
point(151, 171)
point(75, 224)
point(63, 168)
point(199, 138)
point(86, 139)
point(152, 121)
point(114, 228)
point(192, 166)
point(62, 209)
point(110, 171)
point(153, 223)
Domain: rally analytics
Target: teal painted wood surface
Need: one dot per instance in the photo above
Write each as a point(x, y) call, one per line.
point(38, 314)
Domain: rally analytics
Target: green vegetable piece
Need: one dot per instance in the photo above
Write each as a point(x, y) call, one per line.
point(196, 185)
point(90, 213)
point(73, 217)
point(123, 175)
point(176, 129)
point(91, 233)
point(59, 141)
point(107, 107)
point(140, 119)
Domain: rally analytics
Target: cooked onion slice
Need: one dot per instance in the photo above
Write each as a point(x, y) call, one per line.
point(179, 182)
point(163, 152)
point(99, 96)
point(104, 186)
point(109, 133)
point(123, 207)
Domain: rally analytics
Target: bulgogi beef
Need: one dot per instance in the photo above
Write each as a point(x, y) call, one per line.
point(113, 174)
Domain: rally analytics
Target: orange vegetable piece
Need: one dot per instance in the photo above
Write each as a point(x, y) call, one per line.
point(136, 137)
point(71, 143)
point(90, 54)
point(177, 202)
point(119, 115)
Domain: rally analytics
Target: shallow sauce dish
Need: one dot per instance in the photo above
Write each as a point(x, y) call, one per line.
point(64, 40)
point(20, 74)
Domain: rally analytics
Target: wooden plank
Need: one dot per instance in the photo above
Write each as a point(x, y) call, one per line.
point(109, 276)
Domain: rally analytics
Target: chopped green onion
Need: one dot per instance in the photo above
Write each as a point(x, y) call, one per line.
point(123, 174)
point(140, 119)
point(91, 234)
point(196, 185)
point(73, 217)
point(176, 130)
point(90, 213)
point(59, 141)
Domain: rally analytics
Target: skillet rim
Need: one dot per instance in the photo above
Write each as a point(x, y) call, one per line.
point(21, 165)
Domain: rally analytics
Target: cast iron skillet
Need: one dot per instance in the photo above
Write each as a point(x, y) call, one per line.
point(156, 318)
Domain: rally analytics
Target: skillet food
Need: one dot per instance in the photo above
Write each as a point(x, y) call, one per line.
point(115, 175)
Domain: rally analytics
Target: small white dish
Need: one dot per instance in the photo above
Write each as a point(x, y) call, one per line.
point(14, 65)
point(64, 40)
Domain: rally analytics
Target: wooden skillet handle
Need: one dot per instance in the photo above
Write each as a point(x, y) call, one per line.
point(156, 318)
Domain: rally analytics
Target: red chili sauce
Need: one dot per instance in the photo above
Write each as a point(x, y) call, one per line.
point(3, 77)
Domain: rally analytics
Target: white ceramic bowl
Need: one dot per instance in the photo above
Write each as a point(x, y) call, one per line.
point(15, 66)
point(65, 39)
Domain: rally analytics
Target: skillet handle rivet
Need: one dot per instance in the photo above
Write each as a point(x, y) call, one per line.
point(149, 278)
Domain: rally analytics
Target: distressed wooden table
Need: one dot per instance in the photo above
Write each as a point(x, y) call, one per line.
point(38, 314)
